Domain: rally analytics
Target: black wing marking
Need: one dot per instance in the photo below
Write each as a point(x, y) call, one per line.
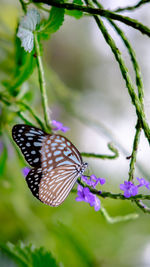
point(29, 139)
point(33, 181)
point(53, 187)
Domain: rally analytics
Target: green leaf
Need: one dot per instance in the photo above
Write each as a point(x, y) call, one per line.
point(53, 23)
point(28, 255)
point(3, 159)
point(75, 13)
point(25, 64)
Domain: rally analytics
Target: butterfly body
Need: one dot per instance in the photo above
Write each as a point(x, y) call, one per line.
point(55, 160)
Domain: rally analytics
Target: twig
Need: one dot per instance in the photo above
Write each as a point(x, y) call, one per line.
point(24, 8)
point(100, 156)
point(99, 127)
point(117, 219)
point(98, 11)
point(139, 84)
point(21, 115)
point(134, 151)
point(135, 100)
point(104, 194)
point(131, 8)
point(10, 102)
point(42, 84)
point(32, 112)
point(142, 206)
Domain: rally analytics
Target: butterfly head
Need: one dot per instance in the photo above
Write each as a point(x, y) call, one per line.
point(81, 168)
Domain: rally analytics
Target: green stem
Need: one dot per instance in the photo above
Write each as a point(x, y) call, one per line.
point(142, 206)
point(135, 100)
point(134, 152)
point(10, 102)
point(139, 84)
point(99, 11)
point(130, 8)
point(100, 156)
point(42, 83)
point(117, 219)
point(134, 61)
point(104, 194)
point(24, 8)
point(23, 117)
point(32, 112)
point(101, 128)
point(115, 50)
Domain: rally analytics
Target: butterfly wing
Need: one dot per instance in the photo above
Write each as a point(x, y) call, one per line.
point(40, 148)
point(53, 187)
point(58, 151)
point(30, 140)
point(33, 180)
point(56, 163)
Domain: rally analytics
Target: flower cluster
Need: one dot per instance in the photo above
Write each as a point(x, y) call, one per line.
point(59, 126)
point(84, 193)
point(93, 180)
point(132, 190)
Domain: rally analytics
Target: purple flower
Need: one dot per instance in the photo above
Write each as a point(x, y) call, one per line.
point(25, 171)
point(93, 180)
point(143, 182)
point(102, 181)
point(87, 180)
point(129, 189)
point(85, 195)
point(59, 126)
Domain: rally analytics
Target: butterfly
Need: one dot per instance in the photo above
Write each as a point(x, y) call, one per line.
point(56, 163)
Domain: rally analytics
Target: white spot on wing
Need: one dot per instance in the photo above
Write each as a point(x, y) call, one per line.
point(36, 160)
point(37, 144)
point(28, 144)
point(58, 159)
point(57, 152)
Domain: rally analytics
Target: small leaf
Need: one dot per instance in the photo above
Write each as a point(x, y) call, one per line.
point(28, 255)
point(53, 23)
point(75, 13)
point(26, 27)
point(3, 159)
point(31, 20)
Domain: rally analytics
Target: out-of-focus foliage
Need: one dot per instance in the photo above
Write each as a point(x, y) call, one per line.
point(3, 159)
point(27, 256)
point(25, 63)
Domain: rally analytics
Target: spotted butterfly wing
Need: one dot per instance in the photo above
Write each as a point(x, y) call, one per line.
point(56, 161)
point(29, 139)
point(53, 187)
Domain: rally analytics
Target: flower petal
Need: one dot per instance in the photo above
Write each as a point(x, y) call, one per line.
point(25, 171)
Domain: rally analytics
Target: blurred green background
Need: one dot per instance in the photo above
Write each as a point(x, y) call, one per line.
point(81, 76)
